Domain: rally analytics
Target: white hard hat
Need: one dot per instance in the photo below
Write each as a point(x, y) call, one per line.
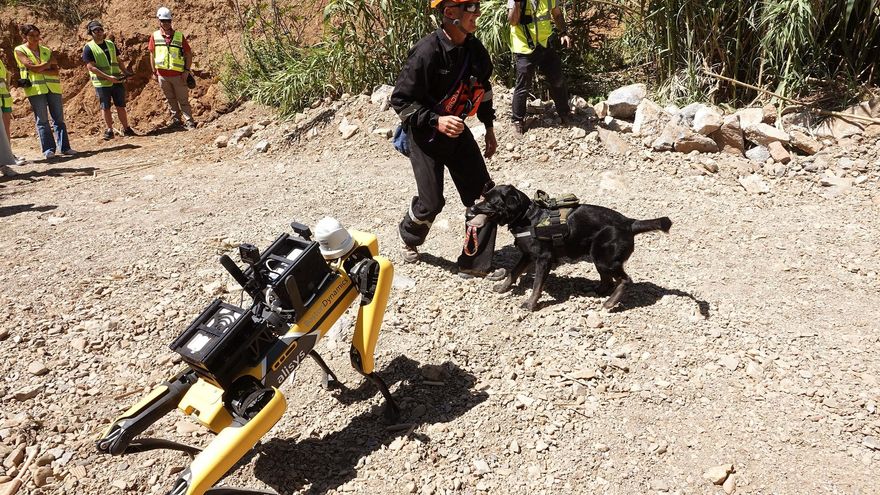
point(164, 14)
point(333, 239)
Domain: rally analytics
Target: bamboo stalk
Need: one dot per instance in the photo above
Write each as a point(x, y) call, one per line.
point(806, 106)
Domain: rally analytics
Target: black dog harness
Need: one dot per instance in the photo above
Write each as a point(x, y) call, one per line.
point(547, 218)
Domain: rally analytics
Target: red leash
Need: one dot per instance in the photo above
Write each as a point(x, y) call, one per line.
point(470, 234)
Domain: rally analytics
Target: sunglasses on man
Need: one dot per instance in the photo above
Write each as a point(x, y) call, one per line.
point(470, 8)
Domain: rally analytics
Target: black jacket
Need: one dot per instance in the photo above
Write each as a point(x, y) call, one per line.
point(431, 69)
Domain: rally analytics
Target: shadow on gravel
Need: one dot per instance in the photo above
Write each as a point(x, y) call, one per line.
point(35, 175)
point(8, 211)
point(561, 288)
point(442, 263)
point(641, 294)
point(319, 465)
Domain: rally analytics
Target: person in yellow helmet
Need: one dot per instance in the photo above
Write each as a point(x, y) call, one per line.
point(530, 34)
point(445, 80)
point(39, 67)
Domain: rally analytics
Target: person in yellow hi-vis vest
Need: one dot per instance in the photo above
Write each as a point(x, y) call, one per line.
point(530, 31)
point(6, 103)
point(37, 65)
point(104, 62)
point(171, 61)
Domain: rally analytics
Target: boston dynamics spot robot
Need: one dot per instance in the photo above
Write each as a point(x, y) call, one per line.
point(238, 358)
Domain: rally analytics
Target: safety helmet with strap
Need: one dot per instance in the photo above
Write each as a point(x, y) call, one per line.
point(107, 66)
point(436, 3)
point(169, 56)
point(534, 27)
point(40, 83)
point(5, 96)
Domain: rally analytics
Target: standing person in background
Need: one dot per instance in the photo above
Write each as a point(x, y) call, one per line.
point(6, 103)
point(37, 64)
point(171, 61)
point(530, 31)
point(103, 61)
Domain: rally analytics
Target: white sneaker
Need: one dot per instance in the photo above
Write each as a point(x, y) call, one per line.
point(69, 152)
point(49, 154)
point(19, 160)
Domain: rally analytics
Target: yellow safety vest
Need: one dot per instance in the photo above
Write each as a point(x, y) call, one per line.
point(109, 67)
point(40, 83)
point(5, 97)
point(168, 57)
point(525, 37)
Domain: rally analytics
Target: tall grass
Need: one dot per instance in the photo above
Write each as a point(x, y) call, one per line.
point(364, 44)
point(787, 46)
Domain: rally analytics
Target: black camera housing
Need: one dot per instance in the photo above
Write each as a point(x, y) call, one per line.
point(22, 82)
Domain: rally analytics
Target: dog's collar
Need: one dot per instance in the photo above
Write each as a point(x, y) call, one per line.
point(523, 230)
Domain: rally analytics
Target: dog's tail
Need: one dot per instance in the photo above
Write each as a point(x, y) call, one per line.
point(640, 226)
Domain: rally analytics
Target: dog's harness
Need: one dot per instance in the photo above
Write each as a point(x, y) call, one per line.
point(551, 224)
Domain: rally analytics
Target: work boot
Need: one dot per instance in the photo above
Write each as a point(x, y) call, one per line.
point(566, 119)
point(410, 254)
point(519, 128)
point(108, 134)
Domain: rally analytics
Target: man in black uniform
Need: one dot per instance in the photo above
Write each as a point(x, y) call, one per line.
point(446, 79)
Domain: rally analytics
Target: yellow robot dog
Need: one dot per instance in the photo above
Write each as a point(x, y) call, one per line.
point(238, 358)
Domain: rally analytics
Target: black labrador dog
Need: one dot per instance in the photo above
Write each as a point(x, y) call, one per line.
point(603, 234)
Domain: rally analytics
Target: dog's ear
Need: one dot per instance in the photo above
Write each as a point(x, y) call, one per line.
point(513, 201)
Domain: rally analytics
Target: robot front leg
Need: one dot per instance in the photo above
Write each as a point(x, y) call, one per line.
point(255, 414)
point(374, 287)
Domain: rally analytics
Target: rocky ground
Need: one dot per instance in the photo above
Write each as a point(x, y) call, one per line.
point(744, 358)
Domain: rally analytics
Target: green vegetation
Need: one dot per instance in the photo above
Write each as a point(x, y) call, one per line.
point(70, 12)
point(793, 47)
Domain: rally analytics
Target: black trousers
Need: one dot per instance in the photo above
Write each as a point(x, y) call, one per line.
point(430, 152)
point(547, 61)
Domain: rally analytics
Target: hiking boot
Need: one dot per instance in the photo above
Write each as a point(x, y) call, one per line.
point(519, 128)
point(493, 276)
point(108, 134)
point(128, 132)
point(19, 160)
point(69, 152)
point(410, 254)
point(190, 125)
point(174, 125)
point(7, 172)
point(49, 154)
point(566, 119)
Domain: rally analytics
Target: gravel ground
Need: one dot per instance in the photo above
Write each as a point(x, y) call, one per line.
point(748, 344)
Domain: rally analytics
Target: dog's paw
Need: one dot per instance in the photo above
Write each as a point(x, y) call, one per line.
point(528, 306)
point(502, 286)
point(603, 289)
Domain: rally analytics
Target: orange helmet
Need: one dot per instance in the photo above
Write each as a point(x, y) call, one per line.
point(435, 3)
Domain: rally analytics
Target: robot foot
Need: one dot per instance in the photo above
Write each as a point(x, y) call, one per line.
point(329, 381)
point(392, 411)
